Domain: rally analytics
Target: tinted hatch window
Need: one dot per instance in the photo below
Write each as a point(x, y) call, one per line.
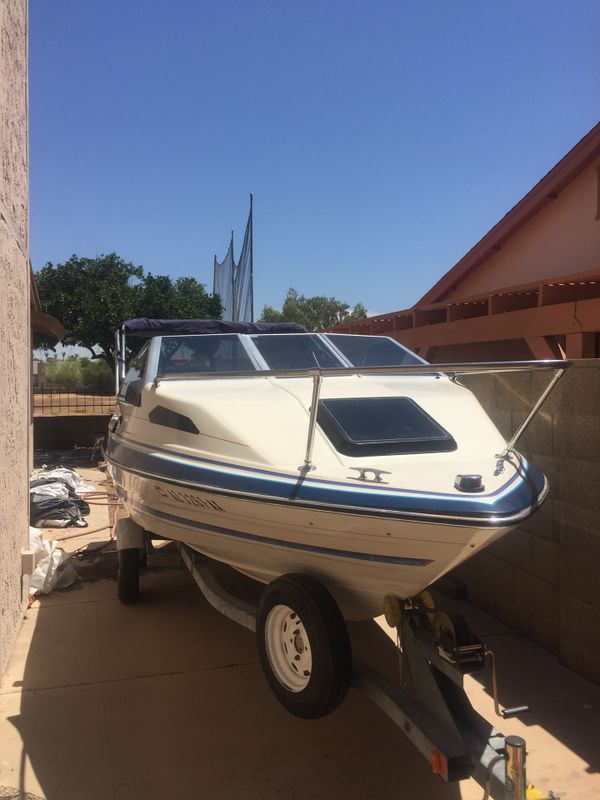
point(362, 426)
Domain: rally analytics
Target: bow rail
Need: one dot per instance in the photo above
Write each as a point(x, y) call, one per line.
point(436, 370)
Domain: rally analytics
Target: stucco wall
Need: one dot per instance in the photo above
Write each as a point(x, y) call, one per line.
point(544, 578)
point(15, 351)
point(562, 238)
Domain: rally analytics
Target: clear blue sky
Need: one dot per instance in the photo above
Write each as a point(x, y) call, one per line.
point(381, 139)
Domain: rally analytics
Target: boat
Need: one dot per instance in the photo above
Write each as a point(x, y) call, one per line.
point(346, 458)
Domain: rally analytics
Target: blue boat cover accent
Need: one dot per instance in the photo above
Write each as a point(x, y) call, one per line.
point(147, 328)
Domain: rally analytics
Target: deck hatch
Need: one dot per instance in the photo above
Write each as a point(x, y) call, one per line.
point(365, 426)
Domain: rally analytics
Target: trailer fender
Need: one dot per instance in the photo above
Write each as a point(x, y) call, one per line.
point(129, 534)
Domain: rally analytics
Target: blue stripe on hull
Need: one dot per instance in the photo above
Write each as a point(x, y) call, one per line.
point(524, 488)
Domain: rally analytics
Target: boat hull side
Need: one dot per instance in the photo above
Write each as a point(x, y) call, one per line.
point(360, 558)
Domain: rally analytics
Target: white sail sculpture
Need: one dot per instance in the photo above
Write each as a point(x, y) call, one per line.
point(234, 282)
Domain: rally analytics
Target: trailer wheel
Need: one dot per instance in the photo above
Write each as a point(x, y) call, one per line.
point(303, 646)
point(128, 577)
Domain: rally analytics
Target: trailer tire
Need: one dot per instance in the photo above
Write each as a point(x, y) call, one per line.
point(303, 646)
point(128, 576)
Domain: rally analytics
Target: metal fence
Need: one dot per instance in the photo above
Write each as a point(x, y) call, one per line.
point(48, 400)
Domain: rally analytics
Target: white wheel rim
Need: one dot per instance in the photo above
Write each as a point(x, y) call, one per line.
point(288, 648)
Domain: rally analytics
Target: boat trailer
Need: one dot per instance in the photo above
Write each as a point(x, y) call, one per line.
point(429, 704)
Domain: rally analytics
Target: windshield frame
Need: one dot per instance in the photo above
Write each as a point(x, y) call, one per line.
point(332, 344)
point(242, 339)
point(332, 350)
point(259, 364)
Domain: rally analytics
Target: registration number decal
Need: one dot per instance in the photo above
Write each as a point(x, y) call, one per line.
point(187, 498)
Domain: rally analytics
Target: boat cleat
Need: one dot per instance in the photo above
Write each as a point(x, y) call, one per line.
point(370, 474)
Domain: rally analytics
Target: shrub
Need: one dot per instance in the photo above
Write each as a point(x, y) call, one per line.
point(80, 373)
point(97, 376)
point(65, 373)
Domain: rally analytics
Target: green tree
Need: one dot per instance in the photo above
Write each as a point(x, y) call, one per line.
point(92, 296)
point(315, 313)
point(80, 373)
point(96, 376)
point(64, 372)
point(159, 297)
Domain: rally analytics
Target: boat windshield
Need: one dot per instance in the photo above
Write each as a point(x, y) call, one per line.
point(230, 352)
point(295, 351)
point(372, 351)
point(212, 353)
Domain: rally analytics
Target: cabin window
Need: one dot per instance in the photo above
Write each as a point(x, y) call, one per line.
point(212, 353)
point(365, 426)
point(160, 415)
point(291, 351)
point(372, 351)
point(131, 388)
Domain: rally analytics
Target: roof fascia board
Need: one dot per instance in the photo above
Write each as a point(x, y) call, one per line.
point(572, 317)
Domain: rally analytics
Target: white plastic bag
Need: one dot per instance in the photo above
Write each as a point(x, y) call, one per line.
point(57, 490)
point(72, 478)
point(53, 569)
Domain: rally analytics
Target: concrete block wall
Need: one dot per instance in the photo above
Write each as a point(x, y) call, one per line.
point(544, 577)
point(15, 352)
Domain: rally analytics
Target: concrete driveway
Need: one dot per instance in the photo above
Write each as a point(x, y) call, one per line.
point(166, 700)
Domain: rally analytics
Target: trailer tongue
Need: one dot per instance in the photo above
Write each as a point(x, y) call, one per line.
point(429, 704)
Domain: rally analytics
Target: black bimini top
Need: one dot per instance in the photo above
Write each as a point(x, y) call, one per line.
point(147, 328)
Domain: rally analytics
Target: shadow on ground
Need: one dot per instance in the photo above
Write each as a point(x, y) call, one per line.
point(72, 459)
point(562, 704)
point(167, 699)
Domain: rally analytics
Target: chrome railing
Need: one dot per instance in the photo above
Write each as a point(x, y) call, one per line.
point(458, 368)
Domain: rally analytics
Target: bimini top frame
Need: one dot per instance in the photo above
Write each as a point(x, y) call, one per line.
point(146, 328)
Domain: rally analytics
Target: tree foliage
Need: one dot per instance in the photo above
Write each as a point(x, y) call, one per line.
point(65, 372)
point(79, 373)
point(92, 296)
point(96, 375)
point(315, 313)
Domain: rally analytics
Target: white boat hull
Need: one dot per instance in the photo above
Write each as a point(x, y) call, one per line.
point(359, 557)
point(404, 481)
